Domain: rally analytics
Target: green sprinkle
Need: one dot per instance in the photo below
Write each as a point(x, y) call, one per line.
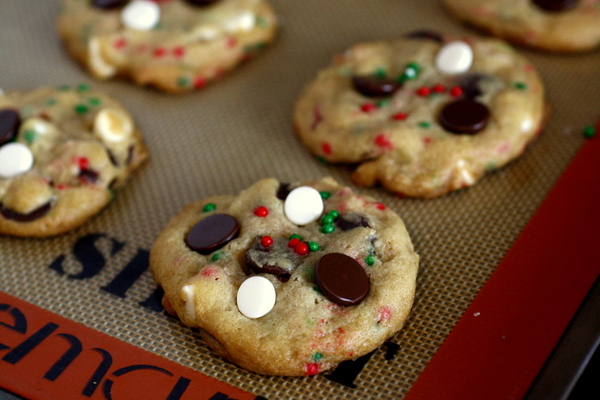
point(382, 103)
point(327, 219)
point(316, 289)
point(424, 124)
point(317, 356)
point(216, 256)
point(589, 132)
point(262, 21)
point(334, 214)
point(64, 88)
point(325, 195)
point(313, 246)
point(327, 228)
point(209, 207)
point(30, 135)
point(183, 81)
point(81, 109)
point(520, 85)
point(95, 101)
point(84, 87)
point(50, 102)
point(380, 73)
point(295, 236)
point(370, 260)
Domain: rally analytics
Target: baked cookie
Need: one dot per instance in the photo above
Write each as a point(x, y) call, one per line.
point(552, 25)
point(424, 114)
point(288, 279)
point(63, 152)
point(174, 45)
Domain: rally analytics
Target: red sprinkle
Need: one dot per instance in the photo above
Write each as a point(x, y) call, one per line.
point(368, 107)
point(456, 91)
point(380, 206)
point(231, 42)
point(266, 241)
point(399, 116)
point(424, 91)
point(61, 186)
point(385, 313)
point(179, 51)
point(120, 43)
point(199, 82)
point(159, 52)
point(261, 211)
point(439, 88)
point(312, 369)
point(382, 140)
point(326, 147)
point(294, 242)
point(301, 249)
point(83, 163)
point(426, 140)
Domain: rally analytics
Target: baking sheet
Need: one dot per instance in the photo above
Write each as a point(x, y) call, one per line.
point(222, 139)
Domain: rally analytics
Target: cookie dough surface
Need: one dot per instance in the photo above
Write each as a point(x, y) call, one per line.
point(182, 47)
point(564, 25)
point(82, 146)
point(305, 332)
point(427, 137)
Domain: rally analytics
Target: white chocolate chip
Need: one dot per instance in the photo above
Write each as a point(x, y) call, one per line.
point(15, 159)
point(256, 297)
point(100, 67)
point(454, 58)
point(242, 21)
point(303, 205)
point(112, 125)
point(141, 15)
point(190, 307)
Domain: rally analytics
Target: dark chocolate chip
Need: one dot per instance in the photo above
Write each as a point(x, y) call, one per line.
point(88, 176)
point(30, 216)
point(283, 191)
point(464, 116)
point(341, 279)
point(9, 125)
point(426, 34)
point(212, 233)
point(469, 84)
point(108, 4)
point(130, 154)
point(555, 5)
point(201, 2)
point(112, 158)
point(277, 259)
point(351, 221)
point(372, 86)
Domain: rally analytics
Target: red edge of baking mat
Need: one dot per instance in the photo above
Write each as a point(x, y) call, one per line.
point(503, 339)
point(44, 356)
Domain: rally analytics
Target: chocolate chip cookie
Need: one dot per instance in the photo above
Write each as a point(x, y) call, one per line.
point(424, 114)
point(174, 45)
point(551, 25)
point(63, 152)
point(288, 279)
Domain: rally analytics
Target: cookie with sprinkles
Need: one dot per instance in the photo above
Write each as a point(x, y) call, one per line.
point(173, 45)
point(63, 153)
point(549, 25)
point(288, 279)
point(424, 114)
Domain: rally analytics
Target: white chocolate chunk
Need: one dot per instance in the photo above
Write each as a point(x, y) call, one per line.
point(112, 125)
point(141, 15)
point(454, 58)
point(303, 205)
point(15, 159)
point(242, 21)
point(256, 297)
point(100, 67)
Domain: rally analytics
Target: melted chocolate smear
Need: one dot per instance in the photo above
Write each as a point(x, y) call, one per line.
point(283, 191)
point(469, 83)
point(372, 86)
point(212, 233)
point(464, 116)
point(555, 5)
point(277, 259)
point(201, 2)
point(31, 216)
point(108, 4)
point(9, 125)
point(88, 176)
point(351, 221)
point(426, 34)
point(112, 158)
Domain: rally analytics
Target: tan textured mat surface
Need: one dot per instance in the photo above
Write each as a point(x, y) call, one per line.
point(238, 130)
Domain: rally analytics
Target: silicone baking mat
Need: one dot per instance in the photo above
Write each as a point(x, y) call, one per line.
point(223, 138)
